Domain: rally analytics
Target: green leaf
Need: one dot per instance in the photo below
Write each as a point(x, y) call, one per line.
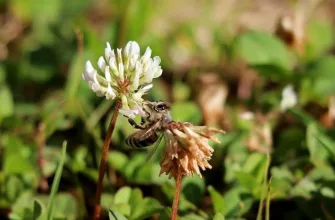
point(247, 180)
point(122, 195)
point(7, 103)
point(114, 215)
point(237, 196)
point(218, 201)
point(255, 165)
point(328, 192)
point(304, 188)
point(107, 200)
point(16, 151)
point(218, 216)
point(193, 188)
point(136, 198)
point(13, 187)
point(192, 216)
point(317, 154)
point(261, 48)
point(273, 72)
point(122, 208)
point(65, 206)
point(136, 161)
point(147, 208)
point(38, 209)
point(117, 160)
point(55, 183)
point(320, 78)
point(187, 112)
point(23, 205)
point(328, 144)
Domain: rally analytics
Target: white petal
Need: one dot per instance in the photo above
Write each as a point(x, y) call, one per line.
point(88, 76)
point(95, 79)
point(121, 72)
point(149, 75)
point(113, 54)
point(157, 61)
point(110, 94)
point(137, 97)
point(119, 56)
point(89, 68)
point(146, 55)
point(158, 72)
point(132, 63)
point(140, 110)
point(129, 113)
point(134, 49)
point(127, 49)
point(108, 46)
point(136, 80)
point(108, 51)
point(95, 87)
point(146, 88)
point(101, 64)
point(112, 64)
point(107, 74)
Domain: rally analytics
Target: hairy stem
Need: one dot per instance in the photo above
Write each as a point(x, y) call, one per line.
point(103, 160)
point(176, 196)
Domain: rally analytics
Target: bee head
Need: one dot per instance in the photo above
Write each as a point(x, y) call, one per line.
point(161, 106)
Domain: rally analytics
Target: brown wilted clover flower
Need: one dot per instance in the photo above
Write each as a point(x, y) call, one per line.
point(187, 149)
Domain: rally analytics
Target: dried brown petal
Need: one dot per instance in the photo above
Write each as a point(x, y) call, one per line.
point(187, 148)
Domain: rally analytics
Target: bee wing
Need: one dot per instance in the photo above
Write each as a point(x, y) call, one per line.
point(151, 129)
point(155, 147)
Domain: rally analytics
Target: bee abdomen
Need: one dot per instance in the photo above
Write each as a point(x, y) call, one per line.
point(140, 142)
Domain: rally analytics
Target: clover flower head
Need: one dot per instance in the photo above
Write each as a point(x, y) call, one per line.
point(289, 98)
point(127, 75)
point(187, 149)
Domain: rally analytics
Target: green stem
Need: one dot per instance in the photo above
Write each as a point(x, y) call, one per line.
point(260, 208)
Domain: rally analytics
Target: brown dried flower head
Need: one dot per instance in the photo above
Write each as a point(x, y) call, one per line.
point(187, 149)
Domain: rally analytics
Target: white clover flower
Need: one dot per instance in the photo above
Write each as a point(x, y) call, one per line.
point(289, 98)
point(128, 76)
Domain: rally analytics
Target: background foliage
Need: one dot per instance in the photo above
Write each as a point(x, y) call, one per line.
point(218, 71)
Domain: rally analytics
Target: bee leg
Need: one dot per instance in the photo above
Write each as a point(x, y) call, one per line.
point(142, 121)
point(136, 126)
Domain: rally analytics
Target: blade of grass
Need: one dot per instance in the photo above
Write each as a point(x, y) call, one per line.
point(56, 181)
point(268, 199)
point(301, 115)
point(266, 170)
point(98, 113)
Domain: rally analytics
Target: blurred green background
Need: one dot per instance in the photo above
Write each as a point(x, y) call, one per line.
point(224, 63)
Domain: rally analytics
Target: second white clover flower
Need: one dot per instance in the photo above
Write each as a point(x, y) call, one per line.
point(289, 98)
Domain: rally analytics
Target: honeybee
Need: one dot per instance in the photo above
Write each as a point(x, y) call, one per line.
point(156, 119)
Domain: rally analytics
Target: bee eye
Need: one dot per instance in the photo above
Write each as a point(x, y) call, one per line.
point(161, 107)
